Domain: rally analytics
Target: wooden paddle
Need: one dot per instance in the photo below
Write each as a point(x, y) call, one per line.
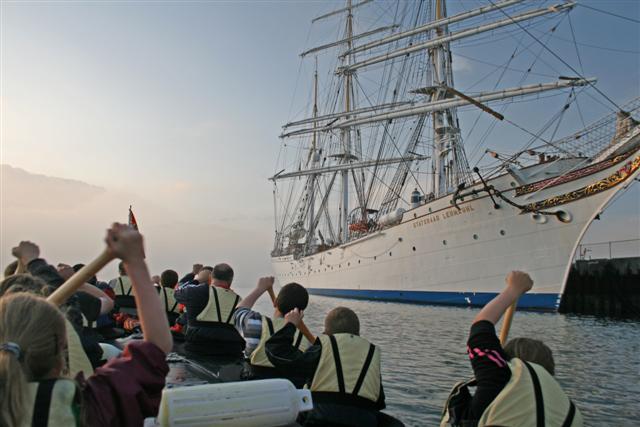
point(302, 327)
point(68, 288)
point(506, 323)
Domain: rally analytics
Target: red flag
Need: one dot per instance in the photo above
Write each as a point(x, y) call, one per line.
point(132, 219)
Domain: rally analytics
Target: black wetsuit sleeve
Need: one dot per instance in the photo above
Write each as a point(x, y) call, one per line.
point(489, 363)
point(39, 268)
point(283, 355)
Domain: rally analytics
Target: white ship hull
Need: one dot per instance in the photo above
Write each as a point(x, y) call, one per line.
point(441, 255)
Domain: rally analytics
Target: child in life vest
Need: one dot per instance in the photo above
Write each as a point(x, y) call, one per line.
point(514, 384)
point(342, 370)
point(123, 392)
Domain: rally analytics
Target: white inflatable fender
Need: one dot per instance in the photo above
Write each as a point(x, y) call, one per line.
point(260, 403)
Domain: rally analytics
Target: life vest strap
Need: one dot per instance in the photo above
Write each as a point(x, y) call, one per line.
point(338, 363)
point(572, 412)
point(270, 326)
point(538, 394)
point(42, 403)
point(298, 340)
point(166, 299)
point(215, 295)
point(365, 369)
point(233, 310)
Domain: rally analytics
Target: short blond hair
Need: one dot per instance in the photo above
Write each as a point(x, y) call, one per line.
point(531, 350)
point(341, 320)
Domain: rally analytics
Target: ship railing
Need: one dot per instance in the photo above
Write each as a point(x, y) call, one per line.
point(595, 138)
point(627, 248)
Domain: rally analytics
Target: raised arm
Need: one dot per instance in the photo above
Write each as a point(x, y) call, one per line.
point(106, 303)
point(264, 284)
point(126, 243)
point(518, 283)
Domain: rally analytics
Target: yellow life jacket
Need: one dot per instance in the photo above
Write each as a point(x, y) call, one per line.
point(220, 307)
point(349, 366)
point(170, 303)
point(123, 286)
point(51, 403)
point(78, 361)
point(270, 327)
point(531, 398)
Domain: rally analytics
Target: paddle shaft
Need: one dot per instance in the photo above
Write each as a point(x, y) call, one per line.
point(302, 327)
point(68, 288)
point(506, 323)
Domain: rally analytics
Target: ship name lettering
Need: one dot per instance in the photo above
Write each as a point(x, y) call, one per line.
point(448, 214)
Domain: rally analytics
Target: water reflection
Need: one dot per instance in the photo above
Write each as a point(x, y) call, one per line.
point(423, 355)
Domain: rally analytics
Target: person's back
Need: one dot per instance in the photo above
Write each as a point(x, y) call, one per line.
point(123, 290)
point(515, 384)
point(168, 281)
point(210, 308)
point(257, 328)
point(343, 370)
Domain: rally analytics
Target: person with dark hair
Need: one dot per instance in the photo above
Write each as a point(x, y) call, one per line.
point(257, 328)
point(210, 308)
point(342, 370)
point(168, 282)
point(514, 384)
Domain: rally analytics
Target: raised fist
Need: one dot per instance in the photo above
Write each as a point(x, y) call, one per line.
point(520, 281)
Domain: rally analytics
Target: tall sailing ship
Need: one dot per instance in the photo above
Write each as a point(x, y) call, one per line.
point(375, 197)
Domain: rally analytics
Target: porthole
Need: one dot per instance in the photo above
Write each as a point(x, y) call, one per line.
point(502, 232)
point(414, 249)
point(430, 210)
point(444, 242)
point(348, 264)
point(563, 216)
point(513, 184)
point(358, 261)
point(539, 218)
point(374, 258)
point(475, 237)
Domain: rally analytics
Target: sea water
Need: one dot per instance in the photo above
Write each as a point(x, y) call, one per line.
point(423, 356)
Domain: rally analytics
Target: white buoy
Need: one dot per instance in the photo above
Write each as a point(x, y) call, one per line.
point(261, 403)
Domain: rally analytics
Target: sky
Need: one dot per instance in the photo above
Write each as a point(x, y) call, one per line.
point(175, 108)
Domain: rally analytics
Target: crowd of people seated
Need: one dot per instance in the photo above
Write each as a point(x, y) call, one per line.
point(64, 366)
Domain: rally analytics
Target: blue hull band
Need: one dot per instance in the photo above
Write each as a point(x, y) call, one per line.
point(547, 302)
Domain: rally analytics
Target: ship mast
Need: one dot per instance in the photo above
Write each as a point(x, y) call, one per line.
point(314, 163)
point(346, 132)
point(446, 140)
